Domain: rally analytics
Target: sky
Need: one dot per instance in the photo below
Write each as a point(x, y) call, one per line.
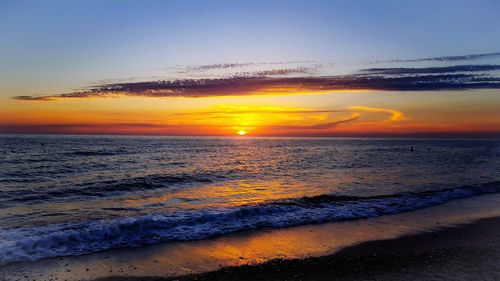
point(254, 68)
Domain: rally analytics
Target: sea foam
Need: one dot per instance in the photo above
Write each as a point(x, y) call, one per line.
point(21, 244)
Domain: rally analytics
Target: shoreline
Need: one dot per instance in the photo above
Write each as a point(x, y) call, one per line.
point(266, 248)
point(468, 251)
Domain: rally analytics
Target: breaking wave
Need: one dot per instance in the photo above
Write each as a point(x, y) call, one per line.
point(20, 244)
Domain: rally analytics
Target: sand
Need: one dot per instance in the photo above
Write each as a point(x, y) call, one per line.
point(452, 241)
point(464, 252)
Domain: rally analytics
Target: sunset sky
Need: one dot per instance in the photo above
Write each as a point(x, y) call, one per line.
point(255, 68)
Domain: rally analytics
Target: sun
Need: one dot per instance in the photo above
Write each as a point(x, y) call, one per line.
point(242, 132)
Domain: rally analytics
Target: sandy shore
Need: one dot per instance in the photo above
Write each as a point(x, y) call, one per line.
point(449, 241)
point(464, 252)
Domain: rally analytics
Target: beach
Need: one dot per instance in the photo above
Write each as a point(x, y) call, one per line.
point(457, 240)
point(465, 252)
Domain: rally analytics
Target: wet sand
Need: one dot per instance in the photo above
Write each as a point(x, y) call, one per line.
point(464, 252)
point(446, 242)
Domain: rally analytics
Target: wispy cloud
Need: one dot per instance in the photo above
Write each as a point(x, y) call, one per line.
point(449, 58)
point(320, 126)
point(35, 98)
point(104, 128)
point(430, 70)
point(225, 119)
point(460, 58)
point(239, 86)
point(395, 114)
point(302, 80)
point(260, 110)
point(218, 66)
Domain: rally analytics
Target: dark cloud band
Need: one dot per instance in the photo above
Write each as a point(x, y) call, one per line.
point(278, 81)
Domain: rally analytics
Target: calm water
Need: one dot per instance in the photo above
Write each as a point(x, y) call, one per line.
point(71, 195)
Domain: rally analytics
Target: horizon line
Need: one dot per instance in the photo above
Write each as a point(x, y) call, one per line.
point(494, 135)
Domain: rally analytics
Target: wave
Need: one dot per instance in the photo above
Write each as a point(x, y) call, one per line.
point(96, 152)
point(81, 238)
point(107, 187)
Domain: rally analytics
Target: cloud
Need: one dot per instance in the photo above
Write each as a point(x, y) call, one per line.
point(320, 126)
point(218, 66)
point(451, 58)
point(395, 114)
point(263, 110)
point(300, 80)
point(281, 71)
point(108, 128)
point(6, 127)
point(239, 86)
point(34, 98)
point(222, 66)
point(280, 122)
point(430, 70)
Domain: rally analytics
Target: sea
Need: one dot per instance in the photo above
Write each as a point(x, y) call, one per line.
point(75, 195)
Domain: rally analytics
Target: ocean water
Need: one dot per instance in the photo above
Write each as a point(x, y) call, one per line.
point(73, 195)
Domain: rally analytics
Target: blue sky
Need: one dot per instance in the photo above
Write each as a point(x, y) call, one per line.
point(269, 68)
point(86, 41)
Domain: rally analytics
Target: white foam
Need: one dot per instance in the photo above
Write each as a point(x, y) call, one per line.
point(81, 238)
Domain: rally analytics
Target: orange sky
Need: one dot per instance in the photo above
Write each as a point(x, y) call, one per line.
point(351, 113)
point(270, 68)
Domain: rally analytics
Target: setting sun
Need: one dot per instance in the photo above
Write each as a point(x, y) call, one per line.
point(210, 139)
